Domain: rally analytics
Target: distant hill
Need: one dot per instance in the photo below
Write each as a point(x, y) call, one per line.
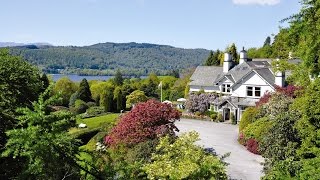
point(105, 58)
point(13, 44)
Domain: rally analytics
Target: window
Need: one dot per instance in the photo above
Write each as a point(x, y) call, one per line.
point(249, 91)
point(254, 91)
point(257, 91)
point(226, 87)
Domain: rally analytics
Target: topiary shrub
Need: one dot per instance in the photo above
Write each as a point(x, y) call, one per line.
point(253, 146)
point(248, 117)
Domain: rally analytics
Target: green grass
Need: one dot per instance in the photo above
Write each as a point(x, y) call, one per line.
point(94, 122)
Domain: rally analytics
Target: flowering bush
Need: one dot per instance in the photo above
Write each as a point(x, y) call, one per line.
point(253, 146)
point(145, 121)
point(199, 102)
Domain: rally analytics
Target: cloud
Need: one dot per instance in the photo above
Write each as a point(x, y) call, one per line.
point(258, 2)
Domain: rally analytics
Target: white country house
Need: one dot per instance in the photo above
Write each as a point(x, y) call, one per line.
point(241, 85)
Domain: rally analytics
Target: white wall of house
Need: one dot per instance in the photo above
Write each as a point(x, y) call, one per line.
point(252, 80)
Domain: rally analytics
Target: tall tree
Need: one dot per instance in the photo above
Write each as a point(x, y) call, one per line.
point(118, 79)
point(118, 99)
point(42, 138)
point(267, 42)
point(209, 60)
point(20, 85)
point(84, 92)
point(65, 87)
point(232, 49)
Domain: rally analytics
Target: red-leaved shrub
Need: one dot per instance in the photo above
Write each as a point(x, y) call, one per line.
point(290, 90)
point(147, 120)
point(264, 99)
point(253, 146)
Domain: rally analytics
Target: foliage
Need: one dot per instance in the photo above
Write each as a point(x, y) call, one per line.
point(253, 146)
point(118, 79)
point(199, 102)
point(232, 49)
point(65, 87)
point(105, 58)
point(213, 58)
point(150, 86)
point(20, 84)
point(146, 120)
point(233, 118)
point(42, 139)
point(118, 99)
point(136, 97)
point(248, 117)
point(258, 129)
point(219, 118)
point(94, 111)
point(106, 99)
point(84, 92)
point(80, 107)
point(182, 159)
point(264, 99)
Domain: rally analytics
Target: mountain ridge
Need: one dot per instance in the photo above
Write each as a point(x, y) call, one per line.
point(105, 58)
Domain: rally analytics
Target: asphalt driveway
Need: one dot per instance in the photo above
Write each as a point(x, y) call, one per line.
point(223, 139)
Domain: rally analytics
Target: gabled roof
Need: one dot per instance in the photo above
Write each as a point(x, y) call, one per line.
point(206, 75)
point(210, 75)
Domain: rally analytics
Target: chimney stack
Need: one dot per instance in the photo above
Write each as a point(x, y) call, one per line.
point(279, 78)
point(243, 56)
point(227, 63)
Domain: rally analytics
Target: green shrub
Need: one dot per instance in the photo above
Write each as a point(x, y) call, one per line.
point(91, 104)
point(257, 129)
point(248, 117)
point(79, 107)
point(95, 111)
point(86, 135)
point(219, 118)
point(198, 113)
point(233, 118)
point(214, 115)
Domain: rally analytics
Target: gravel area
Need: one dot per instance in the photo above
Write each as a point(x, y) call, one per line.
point(223, 139)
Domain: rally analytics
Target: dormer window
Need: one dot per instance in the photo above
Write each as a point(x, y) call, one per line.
point(226, 88)
point(253, 91)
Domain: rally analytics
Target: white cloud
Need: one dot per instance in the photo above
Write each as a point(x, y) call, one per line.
point(258, 2)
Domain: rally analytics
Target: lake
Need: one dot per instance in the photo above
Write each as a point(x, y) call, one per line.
point(78, 78)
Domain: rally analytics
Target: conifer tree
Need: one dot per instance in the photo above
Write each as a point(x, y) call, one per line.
point(84, 92)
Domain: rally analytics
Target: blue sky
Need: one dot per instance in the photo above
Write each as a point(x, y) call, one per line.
point(209, 24)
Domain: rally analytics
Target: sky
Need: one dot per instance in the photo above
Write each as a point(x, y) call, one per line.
point(209, 24)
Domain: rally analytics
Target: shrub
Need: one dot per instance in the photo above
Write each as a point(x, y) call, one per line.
point(199, 102)
point(182, 159)
point(219, 118)
point(213, 115)
point(241, 138)
point(91, 104)
point(248, 117)
point(233, 118)
point(80, 107)
point(257, 129)
point(145, 121)
point(253, 146)
point(95, 111)
point(198, 113)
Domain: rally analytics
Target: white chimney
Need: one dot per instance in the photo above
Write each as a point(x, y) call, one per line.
point(243, 56)
point(227, 63)
point(279, 78)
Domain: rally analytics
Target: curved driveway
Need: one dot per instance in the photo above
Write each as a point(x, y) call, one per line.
point(223, 139)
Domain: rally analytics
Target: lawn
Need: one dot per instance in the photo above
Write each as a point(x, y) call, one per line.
point(94, 122)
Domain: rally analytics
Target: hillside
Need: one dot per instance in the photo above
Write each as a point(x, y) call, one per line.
point(105, 58)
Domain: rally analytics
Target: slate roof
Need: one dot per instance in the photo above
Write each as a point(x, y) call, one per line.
point(206, 75)
point(210, 75)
